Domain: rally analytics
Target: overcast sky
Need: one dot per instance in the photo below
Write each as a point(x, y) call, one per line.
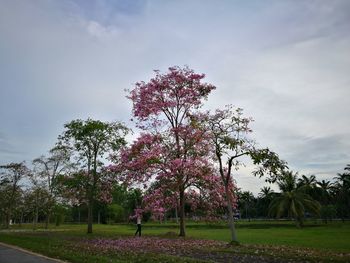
point(286, 63)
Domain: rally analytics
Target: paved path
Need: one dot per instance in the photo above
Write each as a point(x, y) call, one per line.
point(11, 254)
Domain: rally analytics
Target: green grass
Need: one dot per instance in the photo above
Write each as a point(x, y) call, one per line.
point(321, 239)
point(334, 236)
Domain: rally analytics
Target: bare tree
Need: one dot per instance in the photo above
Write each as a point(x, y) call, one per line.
point(49, 168)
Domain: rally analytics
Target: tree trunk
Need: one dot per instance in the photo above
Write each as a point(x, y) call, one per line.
point(92, 192)
point(98, 216)
point(230, 215)
point(90, 207)
point(182, 213)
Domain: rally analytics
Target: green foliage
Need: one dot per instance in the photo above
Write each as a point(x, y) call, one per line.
point(94, 137)
point(115, 213)
point(268, 163)
point(59, 213)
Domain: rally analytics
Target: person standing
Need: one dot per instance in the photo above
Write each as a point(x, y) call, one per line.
point(138, 221)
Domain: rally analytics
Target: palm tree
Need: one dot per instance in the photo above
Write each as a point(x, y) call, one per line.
point(288, 182)
point(325, 185)
point(324, 189)
point(309, 182)
point(265, 197)
point(344, 178)
point(347, 167)
point(247, 198)
point(266, 192)
point(342, 192)
point(292, 202)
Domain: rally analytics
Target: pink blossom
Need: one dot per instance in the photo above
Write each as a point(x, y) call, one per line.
point(151, 244)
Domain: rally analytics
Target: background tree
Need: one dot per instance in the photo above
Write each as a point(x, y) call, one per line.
point(342, 193)
point(307, 181)
point(309, 184)
point(59, 212)
point(19, 209)
point(49, 168)
point(324, 189)
point(293, 201)
point(323, 193)
point(115, 213)
point(265, 197)
point(246, 202)
point(91, 140)
point(10, 177)
point(124, 201)
point(38, 202)
point(56, 163)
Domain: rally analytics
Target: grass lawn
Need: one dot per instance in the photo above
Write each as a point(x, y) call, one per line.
point(273, 239)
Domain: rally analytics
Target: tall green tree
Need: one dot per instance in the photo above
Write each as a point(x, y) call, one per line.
point(91, 140)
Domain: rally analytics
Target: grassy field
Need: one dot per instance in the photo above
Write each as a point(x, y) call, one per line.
point(316, 241)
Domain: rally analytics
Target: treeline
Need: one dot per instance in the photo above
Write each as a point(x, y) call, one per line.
point(299, 197)
point(37, 195)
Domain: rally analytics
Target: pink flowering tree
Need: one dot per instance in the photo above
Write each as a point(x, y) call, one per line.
point(170, 150)
point(90, 141)
point(229, 131)
point(159, 200)
point(205, 196)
